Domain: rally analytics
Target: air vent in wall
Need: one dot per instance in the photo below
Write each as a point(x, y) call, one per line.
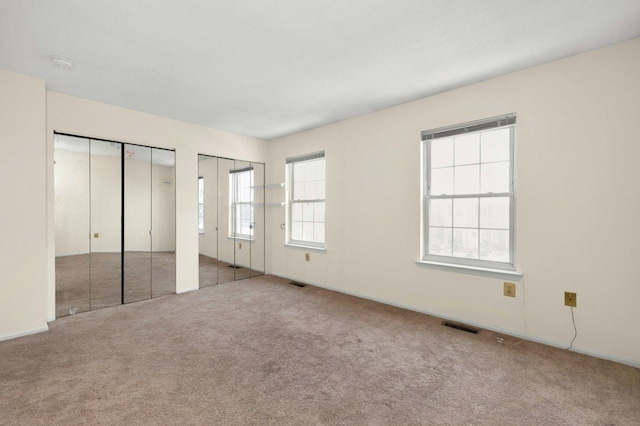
point(460, 327)
point(297, 284)
point(234, 266)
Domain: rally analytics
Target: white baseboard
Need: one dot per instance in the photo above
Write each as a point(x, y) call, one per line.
point(632, 363)
point(24, 333)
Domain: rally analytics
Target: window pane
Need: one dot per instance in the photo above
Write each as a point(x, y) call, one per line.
point(465, 243)
point(318, 232)
point(442, 181)
point(466, 180)
point(296, 212)
point(200, 210)
point(440, 241)
point(320, 189)
point(298, 191)
point(467, 149)
point(298, 172)
point(318, 212)
point(465, 213)
point(296, 230)
point(494, 212)
point(441, 152)
point(494, 245)
point(307, 212)
point(307, 231)
point(495, 178)
point(310, 168)
point(495, 145)
point(440, 213)
point(310, 190)
point(319, 169)
point(200, 222)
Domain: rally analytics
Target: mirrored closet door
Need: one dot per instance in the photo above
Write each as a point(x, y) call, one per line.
point(231, 219)
point(115, 223)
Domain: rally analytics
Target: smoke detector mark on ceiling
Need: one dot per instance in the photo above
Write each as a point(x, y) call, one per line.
point(61, 62)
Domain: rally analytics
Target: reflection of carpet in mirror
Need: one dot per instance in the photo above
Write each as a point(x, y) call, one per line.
point(89, 282)
point(213, 271)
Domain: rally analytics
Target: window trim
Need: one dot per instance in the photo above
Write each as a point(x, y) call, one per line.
point(502, 121)
point(290, 242)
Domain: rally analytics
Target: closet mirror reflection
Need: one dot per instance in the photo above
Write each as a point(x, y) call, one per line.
point(231, 219)
point(115, 223)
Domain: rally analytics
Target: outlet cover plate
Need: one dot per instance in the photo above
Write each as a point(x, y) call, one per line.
point(570, 299)
point(510, 289)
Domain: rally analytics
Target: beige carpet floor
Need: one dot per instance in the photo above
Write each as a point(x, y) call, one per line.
point(261, 351)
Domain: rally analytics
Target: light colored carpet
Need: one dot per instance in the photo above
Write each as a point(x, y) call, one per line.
point(260, 351)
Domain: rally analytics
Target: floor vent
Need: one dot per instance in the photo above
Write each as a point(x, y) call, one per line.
point(297, 284)
point(460, 327)
point(234, 266)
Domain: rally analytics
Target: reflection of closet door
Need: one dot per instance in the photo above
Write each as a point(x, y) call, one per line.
point(241, 199)
point(137, 223)
point(226, 271)
point(208, 220)
point(258, 222)
point(163, 223)
point(106, 212)
point(72, 216)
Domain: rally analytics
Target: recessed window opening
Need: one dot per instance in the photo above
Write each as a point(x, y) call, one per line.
point(468, 197)
point(306, 200)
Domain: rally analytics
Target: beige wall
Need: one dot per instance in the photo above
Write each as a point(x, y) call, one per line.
point(578, 210)
point(72, 115)
point(23, 242)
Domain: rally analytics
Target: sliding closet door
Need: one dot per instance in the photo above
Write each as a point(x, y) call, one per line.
point(137, 223)
point(226, 271)
point(241, 182)
point(163, 222)
point(258, 220)
point(72, 217)
point(208, 220)
point(106, 219)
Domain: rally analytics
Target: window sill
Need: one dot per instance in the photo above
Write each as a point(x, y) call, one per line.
point(240, 238)
point(472, 270)
point(303, 247)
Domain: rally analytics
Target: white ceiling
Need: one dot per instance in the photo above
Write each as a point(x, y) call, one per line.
point(269, 68)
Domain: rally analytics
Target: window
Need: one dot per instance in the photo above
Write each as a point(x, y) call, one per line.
point(469, 194)
point(241, 203)
point(201, 204)
point(306, 185)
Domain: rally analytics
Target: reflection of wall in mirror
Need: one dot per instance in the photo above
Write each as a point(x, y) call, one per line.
point(71, 189)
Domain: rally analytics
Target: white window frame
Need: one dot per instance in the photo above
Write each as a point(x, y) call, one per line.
point(235, 205)
point(201, 204)
point(505, 121)
point(291, 201)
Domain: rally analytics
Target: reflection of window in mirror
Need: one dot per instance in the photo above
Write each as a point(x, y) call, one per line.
point(241, 203)
point(201, 205)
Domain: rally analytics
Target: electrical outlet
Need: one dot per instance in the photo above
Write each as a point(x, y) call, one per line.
point(570, 299)
point(96, 235)
point(240, 246)
point(307, 257)
point(510, 289)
